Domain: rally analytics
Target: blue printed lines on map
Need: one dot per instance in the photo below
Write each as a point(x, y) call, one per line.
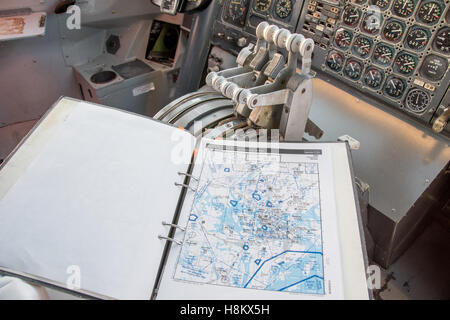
point(298, 282)
point(276, 256)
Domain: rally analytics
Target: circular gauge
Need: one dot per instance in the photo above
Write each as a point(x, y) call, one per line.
point(351, 16)
point(394, 87)
point(382, 4)
point(283, 8)
point(353, 69)
point(405, 63)
point(417, 39)
point(373, 78)
point(236, 12)
point(403, 8)
point(417, 100)
point(393, 30)
point(361, 46)
point(335, 61)
point(429, 12)
point(262, 5)
point(383, 54)
point(372, 23)
point(442, 40)
point(343, 38)
point(434, 67)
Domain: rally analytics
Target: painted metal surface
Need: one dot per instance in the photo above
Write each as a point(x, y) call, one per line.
point(397, 159)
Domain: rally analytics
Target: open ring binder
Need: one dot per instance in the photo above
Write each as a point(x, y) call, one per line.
point(170, 239)
point(188, 175)
point(185, 186)
point(173, 225)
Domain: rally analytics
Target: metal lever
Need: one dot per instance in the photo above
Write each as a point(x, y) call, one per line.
point(267, 90)
point(440, 123)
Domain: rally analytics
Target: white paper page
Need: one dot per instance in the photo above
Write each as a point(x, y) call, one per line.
point(91, 200)
point(241, 242)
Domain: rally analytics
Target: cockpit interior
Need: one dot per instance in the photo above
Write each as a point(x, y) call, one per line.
point(372, 74)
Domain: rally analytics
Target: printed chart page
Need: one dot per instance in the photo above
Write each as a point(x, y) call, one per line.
point(260, 225)
point(82, 199)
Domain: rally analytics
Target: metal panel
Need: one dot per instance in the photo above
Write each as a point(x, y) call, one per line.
point(397, 159)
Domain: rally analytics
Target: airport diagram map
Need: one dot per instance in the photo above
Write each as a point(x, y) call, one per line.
point(255, 224)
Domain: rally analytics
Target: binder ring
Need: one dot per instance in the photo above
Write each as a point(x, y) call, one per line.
point(185, 185)
point(170, 239)
point(173, 225)
point(188, 175)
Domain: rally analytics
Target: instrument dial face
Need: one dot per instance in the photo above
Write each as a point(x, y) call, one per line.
point(372, 23)
point(237, 11)
point(362, 46)
point(394, 87)
point(442, 41)
point(343, 38)
point(351, 16)
point(434, 67)
point(262, 5)
point(403, 8)
point(335, 61)
point(283, 8)
point(417, 100)
point(393, 30)
point(373, 78)
point(353, 69)
point(382, 4)
point(405, 63)
point(417, 39)
point(383, 54)
point(429, 12)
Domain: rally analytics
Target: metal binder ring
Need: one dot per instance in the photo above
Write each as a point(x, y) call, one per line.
point(173, 225)
point(185, 185)
point(170, 239)
point(188, 175)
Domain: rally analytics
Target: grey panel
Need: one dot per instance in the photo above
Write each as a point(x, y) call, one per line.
point(397, 159)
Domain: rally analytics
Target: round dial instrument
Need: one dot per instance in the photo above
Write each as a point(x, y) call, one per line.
point(393, 30)
point(383, 54)
point(372, 23)
point(335, 61)
point(283, 8)
point(382, 4)
point(429, 12)
point(405, 63)
point(353, 69)
point(362, 46)
point(403, 8)
point(442, 40)
point(237, 11)
point(262, 5)
point(373, 78)
point(343, 38)
point(394, 87)
point(351, 16)
point(417, 38)
point(417, 100)
point(434, 67)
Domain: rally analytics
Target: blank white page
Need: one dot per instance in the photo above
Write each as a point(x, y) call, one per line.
point(86, 192)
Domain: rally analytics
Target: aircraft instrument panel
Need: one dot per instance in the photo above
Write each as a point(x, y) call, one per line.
point(396, 52)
